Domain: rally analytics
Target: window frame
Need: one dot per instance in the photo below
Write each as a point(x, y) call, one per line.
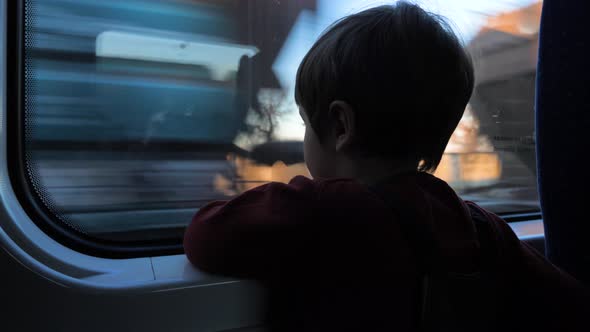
point(41, 253)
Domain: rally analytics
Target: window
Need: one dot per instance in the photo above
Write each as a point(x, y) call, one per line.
point(138, 112)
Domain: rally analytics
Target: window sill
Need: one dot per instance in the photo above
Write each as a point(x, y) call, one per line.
point(41, 254)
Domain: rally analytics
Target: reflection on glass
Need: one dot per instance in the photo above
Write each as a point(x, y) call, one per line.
point(141, 111)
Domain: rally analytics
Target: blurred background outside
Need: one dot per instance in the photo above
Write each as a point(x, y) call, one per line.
point(139, 112)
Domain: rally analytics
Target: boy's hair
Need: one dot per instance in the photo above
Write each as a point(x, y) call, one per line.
point(403, 71)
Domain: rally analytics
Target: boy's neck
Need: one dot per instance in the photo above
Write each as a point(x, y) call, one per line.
point(374, 171)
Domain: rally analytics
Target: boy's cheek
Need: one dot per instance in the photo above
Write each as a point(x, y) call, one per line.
point(310, 160)
point(316, 162)
point(317, 159)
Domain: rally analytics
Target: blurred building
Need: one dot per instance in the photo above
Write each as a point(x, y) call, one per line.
point(505, 56)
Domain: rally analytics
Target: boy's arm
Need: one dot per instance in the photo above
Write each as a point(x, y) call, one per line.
point(251, 235)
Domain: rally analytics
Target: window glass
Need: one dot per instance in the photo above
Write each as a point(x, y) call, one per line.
point(138, 112)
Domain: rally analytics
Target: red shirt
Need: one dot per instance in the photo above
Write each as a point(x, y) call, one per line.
point(337, 254)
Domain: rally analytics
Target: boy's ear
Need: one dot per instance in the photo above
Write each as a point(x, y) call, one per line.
point(344, 124)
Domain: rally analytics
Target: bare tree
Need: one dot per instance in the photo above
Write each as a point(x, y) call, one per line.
point(262, 121)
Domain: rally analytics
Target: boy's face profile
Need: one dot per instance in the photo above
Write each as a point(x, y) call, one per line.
point(312, 149)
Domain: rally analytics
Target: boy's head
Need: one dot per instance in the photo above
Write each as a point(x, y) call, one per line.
point(390, 83)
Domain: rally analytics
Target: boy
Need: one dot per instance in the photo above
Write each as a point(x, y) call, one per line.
point(374, 242)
